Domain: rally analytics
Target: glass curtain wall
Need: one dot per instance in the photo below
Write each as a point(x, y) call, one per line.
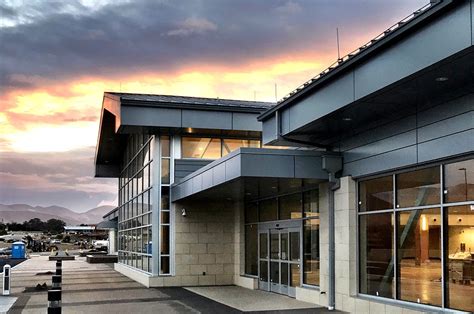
point(135, 206)
point(302, 206)
point(416, 236)
point(212, 148)
point(165, 224)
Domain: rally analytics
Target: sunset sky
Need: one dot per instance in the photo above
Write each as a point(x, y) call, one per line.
point(58, 57)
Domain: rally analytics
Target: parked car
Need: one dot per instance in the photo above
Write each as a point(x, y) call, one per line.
point(101, 245)
point(56, 241)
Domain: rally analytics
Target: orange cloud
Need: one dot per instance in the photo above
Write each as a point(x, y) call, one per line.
point(65, 117)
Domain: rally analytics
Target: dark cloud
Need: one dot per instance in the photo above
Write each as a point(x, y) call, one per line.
point(59, 178)
point(63, 40)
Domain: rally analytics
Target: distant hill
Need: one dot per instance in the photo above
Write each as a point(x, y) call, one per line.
point(23, 212)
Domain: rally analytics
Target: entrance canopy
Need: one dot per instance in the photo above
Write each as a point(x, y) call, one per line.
point(249, 173)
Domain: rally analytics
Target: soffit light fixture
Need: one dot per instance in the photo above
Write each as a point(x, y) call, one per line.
point(441, 79)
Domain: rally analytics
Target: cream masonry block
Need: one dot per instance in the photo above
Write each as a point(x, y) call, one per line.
point(342, 252)
point(182, 248)
point(225, 258)
point(342, 286)
point(231, 269)
point(339, 297)
point(182, 270)
point(215, 227)
point(215, 269)
point(342, 269)
point(197, 227)
point(208, 280)
point(181, 227)
point(185, 238)
point(215, 248)
point(197, 269)
point(341, 235)
point(188, 259)
point(307, 295)
point(361, 306)
point(343, 201)
point(197, 248)
point(207, 258)
point(348, 305)
point(172, 281)
point(224, 279)
point(189, 280)
point(376, 308)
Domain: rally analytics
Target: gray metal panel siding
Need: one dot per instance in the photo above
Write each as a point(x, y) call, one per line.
point(326, 100)
point(267, 166)
point(451, 145)
point(146, 116)
point(388, 144)
point(448, 109)
point(447, 35)
point(378, 163)
point(444, 130)
point(245, 121)
point(269, 130)
point(183, 167)
point(384, 131)
point(309, 167)
point(202, 119)
point(446, 127)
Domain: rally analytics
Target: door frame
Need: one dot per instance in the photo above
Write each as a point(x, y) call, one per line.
point(280, 227)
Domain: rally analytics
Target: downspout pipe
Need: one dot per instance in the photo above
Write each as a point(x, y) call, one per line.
point(332, 165)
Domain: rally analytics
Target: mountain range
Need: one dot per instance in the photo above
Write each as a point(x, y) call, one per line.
point(23, 212)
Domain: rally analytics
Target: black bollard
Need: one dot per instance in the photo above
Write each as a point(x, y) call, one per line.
point(56, 282)
point(59, 268)
point(54, 301)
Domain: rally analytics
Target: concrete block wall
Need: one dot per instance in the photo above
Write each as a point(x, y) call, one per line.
point(206, 244)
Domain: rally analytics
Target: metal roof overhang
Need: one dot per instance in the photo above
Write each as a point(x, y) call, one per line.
point(406, 98)
point(252, 173)
point(121, 117)
point(395, 79)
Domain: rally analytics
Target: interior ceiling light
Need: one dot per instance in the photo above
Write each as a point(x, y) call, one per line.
point(441, 79)
point(346, 119)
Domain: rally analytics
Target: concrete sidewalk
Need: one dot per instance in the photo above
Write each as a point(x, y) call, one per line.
point(97, 288)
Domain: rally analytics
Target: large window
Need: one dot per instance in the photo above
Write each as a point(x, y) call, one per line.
point(212, 148)
point(165, 205)
point(135, 204)
point(404, 219)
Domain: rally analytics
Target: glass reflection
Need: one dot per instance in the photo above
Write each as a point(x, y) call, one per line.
point(311, 252)
point(459, 181)
point(460, 257)
point(376, 194)
point(376, 254)
point(418, 188)
point(251, 248)
point(419, 254)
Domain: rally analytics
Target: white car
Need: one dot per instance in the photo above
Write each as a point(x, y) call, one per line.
point(55, 241)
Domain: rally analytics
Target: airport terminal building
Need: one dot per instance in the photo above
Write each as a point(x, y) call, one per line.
point(355, 191)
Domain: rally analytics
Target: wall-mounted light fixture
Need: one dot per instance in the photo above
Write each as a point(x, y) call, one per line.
point(183, 212)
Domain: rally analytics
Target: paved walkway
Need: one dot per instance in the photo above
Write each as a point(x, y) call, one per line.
point(97, 288)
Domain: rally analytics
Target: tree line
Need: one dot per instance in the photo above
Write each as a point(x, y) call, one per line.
point(35, 224)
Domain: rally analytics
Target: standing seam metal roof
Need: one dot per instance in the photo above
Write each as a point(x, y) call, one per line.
point(353, 55)
point(171, 99)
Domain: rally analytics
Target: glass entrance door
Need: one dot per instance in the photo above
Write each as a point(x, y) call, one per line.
point(280, 260)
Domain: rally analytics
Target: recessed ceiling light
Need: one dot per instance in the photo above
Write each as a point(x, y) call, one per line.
point(441, 79)
point(346, 119)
